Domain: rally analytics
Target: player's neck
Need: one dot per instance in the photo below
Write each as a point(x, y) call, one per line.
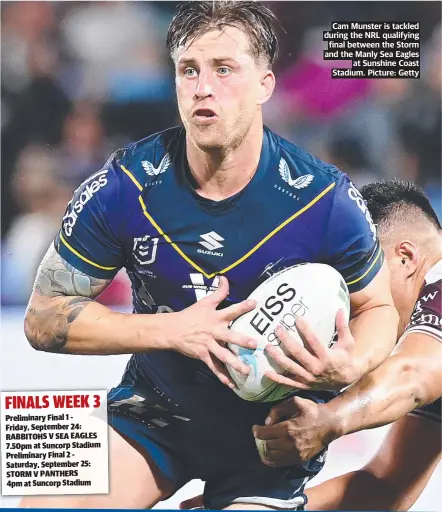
point(221, 173)
point(429, 259)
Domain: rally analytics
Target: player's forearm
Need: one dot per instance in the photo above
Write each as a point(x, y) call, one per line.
point(375, 333)
point(63, 317)
point(393, 479)
point(78, 325)
point(358, 490)
point(397, 387)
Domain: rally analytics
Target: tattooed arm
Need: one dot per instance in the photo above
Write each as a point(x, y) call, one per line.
point(63, 317)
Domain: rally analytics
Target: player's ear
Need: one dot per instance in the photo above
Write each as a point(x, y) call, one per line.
point(267, 86)
point(409, 256)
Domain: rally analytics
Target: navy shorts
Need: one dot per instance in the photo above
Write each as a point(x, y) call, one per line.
point(202, 430)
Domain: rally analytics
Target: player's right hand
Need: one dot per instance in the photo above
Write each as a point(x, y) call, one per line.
point(295, 431)
point(202, 332)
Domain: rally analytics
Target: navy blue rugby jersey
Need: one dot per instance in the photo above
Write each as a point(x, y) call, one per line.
point(427, 319)
point(141, 212)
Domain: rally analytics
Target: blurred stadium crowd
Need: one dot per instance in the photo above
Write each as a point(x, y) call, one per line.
point(81, 79)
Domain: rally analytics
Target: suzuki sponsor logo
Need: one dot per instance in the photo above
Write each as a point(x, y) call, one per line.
point(211, 241)
point(355, 195)
point(90, 187)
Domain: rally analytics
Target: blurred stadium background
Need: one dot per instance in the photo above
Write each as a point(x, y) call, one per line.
point(80, 79)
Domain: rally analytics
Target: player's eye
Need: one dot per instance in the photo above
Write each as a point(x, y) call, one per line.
point(224, 71)
point(190, 72)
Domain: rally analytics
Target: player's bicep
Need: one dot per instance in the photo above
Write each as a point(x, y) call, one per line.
point(56, 277)
point(423, 351)
point(61, 292)
point(377, 293)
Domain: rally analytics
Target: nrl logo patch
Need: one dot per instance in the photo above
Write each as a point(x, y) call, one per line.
point(145, 249)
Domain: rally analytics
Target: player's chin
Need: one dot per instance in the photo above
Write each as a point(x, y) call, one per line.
point(208, 141)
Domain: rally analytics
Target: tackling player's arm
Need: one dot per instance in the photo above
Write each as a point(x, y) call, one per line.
point(395, 477)
point(411, 377)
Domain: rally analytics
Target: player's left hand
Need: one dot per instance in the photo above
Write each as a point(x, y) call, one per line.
point(314, 366)
point(309, 429)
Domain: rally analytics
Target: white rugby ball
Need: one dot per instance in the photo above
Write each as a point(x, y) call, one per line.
point(314, 291)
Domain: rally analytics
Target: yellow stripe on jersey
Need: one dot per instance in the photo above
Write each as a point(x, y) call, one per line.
point(82, 257)
point(254, 249)
point(161, 232)
point(368, 270)
point(132, 177)
point(264, 240)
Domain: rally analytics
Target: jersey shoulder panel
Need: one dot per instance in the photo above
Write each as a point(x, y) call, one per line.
point(100, 194)
point(92, 226)
point(104, 210)
point(305, 168)
point(350, 244)
point(145, 161)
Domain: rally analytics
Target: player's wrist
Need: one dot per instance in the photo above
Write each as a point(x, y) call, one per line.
point(153, 332)
point(171, 331)
point(337, 424)
point(354, 371)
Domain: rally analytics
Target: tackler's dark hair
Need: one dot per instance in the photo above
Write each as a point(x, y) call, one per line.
point(387, 198)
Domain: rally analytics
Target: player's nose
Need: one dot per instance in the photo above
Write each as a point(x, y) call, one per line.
point(204, 86)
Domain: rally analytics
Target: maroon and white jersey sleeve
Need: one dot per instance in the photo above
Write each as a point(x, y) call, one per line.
point(427, 319)
point(427, 313)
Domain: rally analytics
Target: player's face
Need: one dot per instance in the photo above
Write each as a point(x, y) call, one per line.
point(220, 88)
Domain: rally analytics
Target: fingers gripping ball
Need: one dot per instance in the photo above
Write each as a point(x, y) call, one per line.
point(313, 291)
point(261, 445)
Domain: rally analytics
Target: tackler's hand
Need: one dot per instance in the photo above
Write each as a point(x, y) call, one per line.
point(305, 429)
